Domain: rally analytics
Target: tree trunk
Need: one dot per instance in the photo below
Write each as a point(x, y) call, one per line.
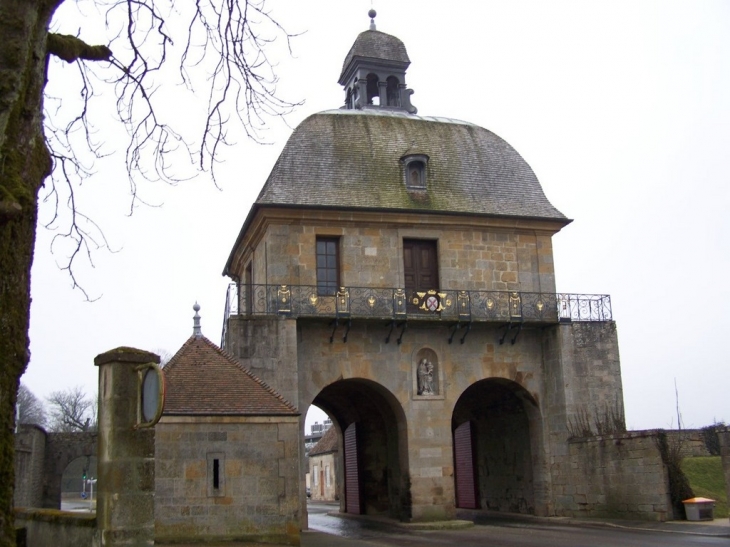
point(24, 164)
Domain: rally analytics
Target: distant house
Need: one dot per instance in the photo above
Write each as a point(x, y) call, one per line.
point(323, 467)
point(317, 430)
point(227, 452)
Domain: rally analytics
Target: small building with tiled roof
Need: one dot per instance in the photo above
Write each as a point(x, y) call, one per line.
point(226, 452)
point(323, 468)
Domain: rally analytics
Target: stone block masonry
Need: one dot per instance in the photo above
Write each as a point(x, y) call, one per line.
point(615, 476)
point(217, 480)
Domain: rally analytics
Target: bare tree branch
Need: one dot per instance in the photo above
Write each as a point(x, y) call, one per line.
point(222, 56)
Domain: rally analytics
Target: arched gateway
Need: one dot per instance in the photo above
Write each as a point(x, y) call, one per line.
point(397, 271)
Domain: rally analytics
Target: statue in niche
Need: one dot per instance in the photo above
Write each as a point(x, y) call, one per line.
point(424, 374)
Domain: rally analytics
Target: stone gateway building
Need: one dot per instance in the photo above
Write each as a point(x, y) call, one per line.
point(396, 270)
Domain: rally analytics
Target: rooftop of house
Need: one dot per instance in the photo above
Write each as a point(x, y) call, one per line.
point(203, 380)
point(327, 444)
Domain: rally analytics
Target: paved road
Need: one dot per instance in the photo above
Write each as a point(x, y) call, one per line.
point(329, 531)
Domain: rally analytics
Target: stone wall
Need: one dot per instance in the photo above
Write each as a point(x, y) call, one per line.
point(257, 498)
point(266, 345)
point(616, 476)
point(691, 442)
point(41, 459)
point(30, 449)
point(61, 449)
point(482, 258)
point(590, 367)
point(42, 527)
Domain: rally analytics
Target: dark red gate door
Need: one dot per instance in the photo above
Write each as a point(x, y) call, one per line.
point(466, 486)
point(352, 472)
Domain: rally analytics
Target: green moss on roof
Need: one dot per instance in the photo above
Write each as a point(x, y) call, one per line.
point(348, 158)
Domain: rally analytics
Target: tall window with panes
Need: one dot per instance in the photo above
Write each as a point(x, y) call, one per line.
point(328, 265)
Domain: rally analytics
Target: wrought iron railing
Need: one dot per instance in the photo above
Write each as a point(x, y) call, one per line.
point(399, 304)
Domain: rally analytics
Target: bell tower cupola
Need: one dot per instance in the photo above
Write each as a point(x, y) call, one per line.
point(374, 72)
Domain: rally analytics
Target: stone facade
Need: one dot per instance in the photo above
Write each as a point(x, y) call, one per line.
point(258, 494)
point(323, 468)
point(475, 229)
point(533, 368)
point(323, 477)
point(477, 254)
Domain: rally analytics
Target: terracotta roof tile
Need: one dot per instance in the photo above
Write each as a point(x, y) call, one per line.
point(327, 444)
point(203, 380)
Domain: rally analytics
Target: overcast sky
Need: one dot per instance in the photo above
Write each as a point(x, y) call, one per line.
point(622, 109)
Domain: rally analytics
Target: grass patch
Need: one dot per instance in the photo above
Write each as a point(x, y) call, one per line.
point(707, 480)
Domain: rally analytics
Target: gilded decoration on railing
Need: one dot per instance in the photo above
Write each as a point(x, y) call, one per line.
point(343, 302)
point(515, 305)
point(430, 301)
point(399, 303)
point(284, 299)
point(464, 305)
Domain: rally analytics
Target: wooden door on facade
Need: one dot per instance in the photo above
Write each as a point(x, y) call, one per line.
point(420, 269)
point(353, 503)
point(464, 469)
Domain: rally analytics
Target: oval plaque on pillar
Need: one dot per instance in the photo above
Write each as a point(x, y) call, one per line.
point(151, 394)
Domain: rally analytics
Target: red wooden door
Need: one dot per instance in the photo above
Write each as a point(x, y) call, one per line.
point(352, 472)
point(465, 475)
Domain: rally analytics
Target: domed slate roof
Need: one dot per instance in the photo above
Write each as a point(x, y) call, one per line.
point(374, 44)
point(352, 159)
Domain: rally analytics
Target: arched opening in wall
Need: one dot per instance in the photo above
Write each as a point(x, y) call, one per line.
point(372, 89)
point(320, 449)
point(494, 439)
point(391, 91)
point(75, 487)
point(372, 457)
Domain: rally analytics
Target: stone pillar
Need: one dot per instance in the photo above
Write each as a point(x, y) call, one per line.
point(126, 456)
point(30, 451)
